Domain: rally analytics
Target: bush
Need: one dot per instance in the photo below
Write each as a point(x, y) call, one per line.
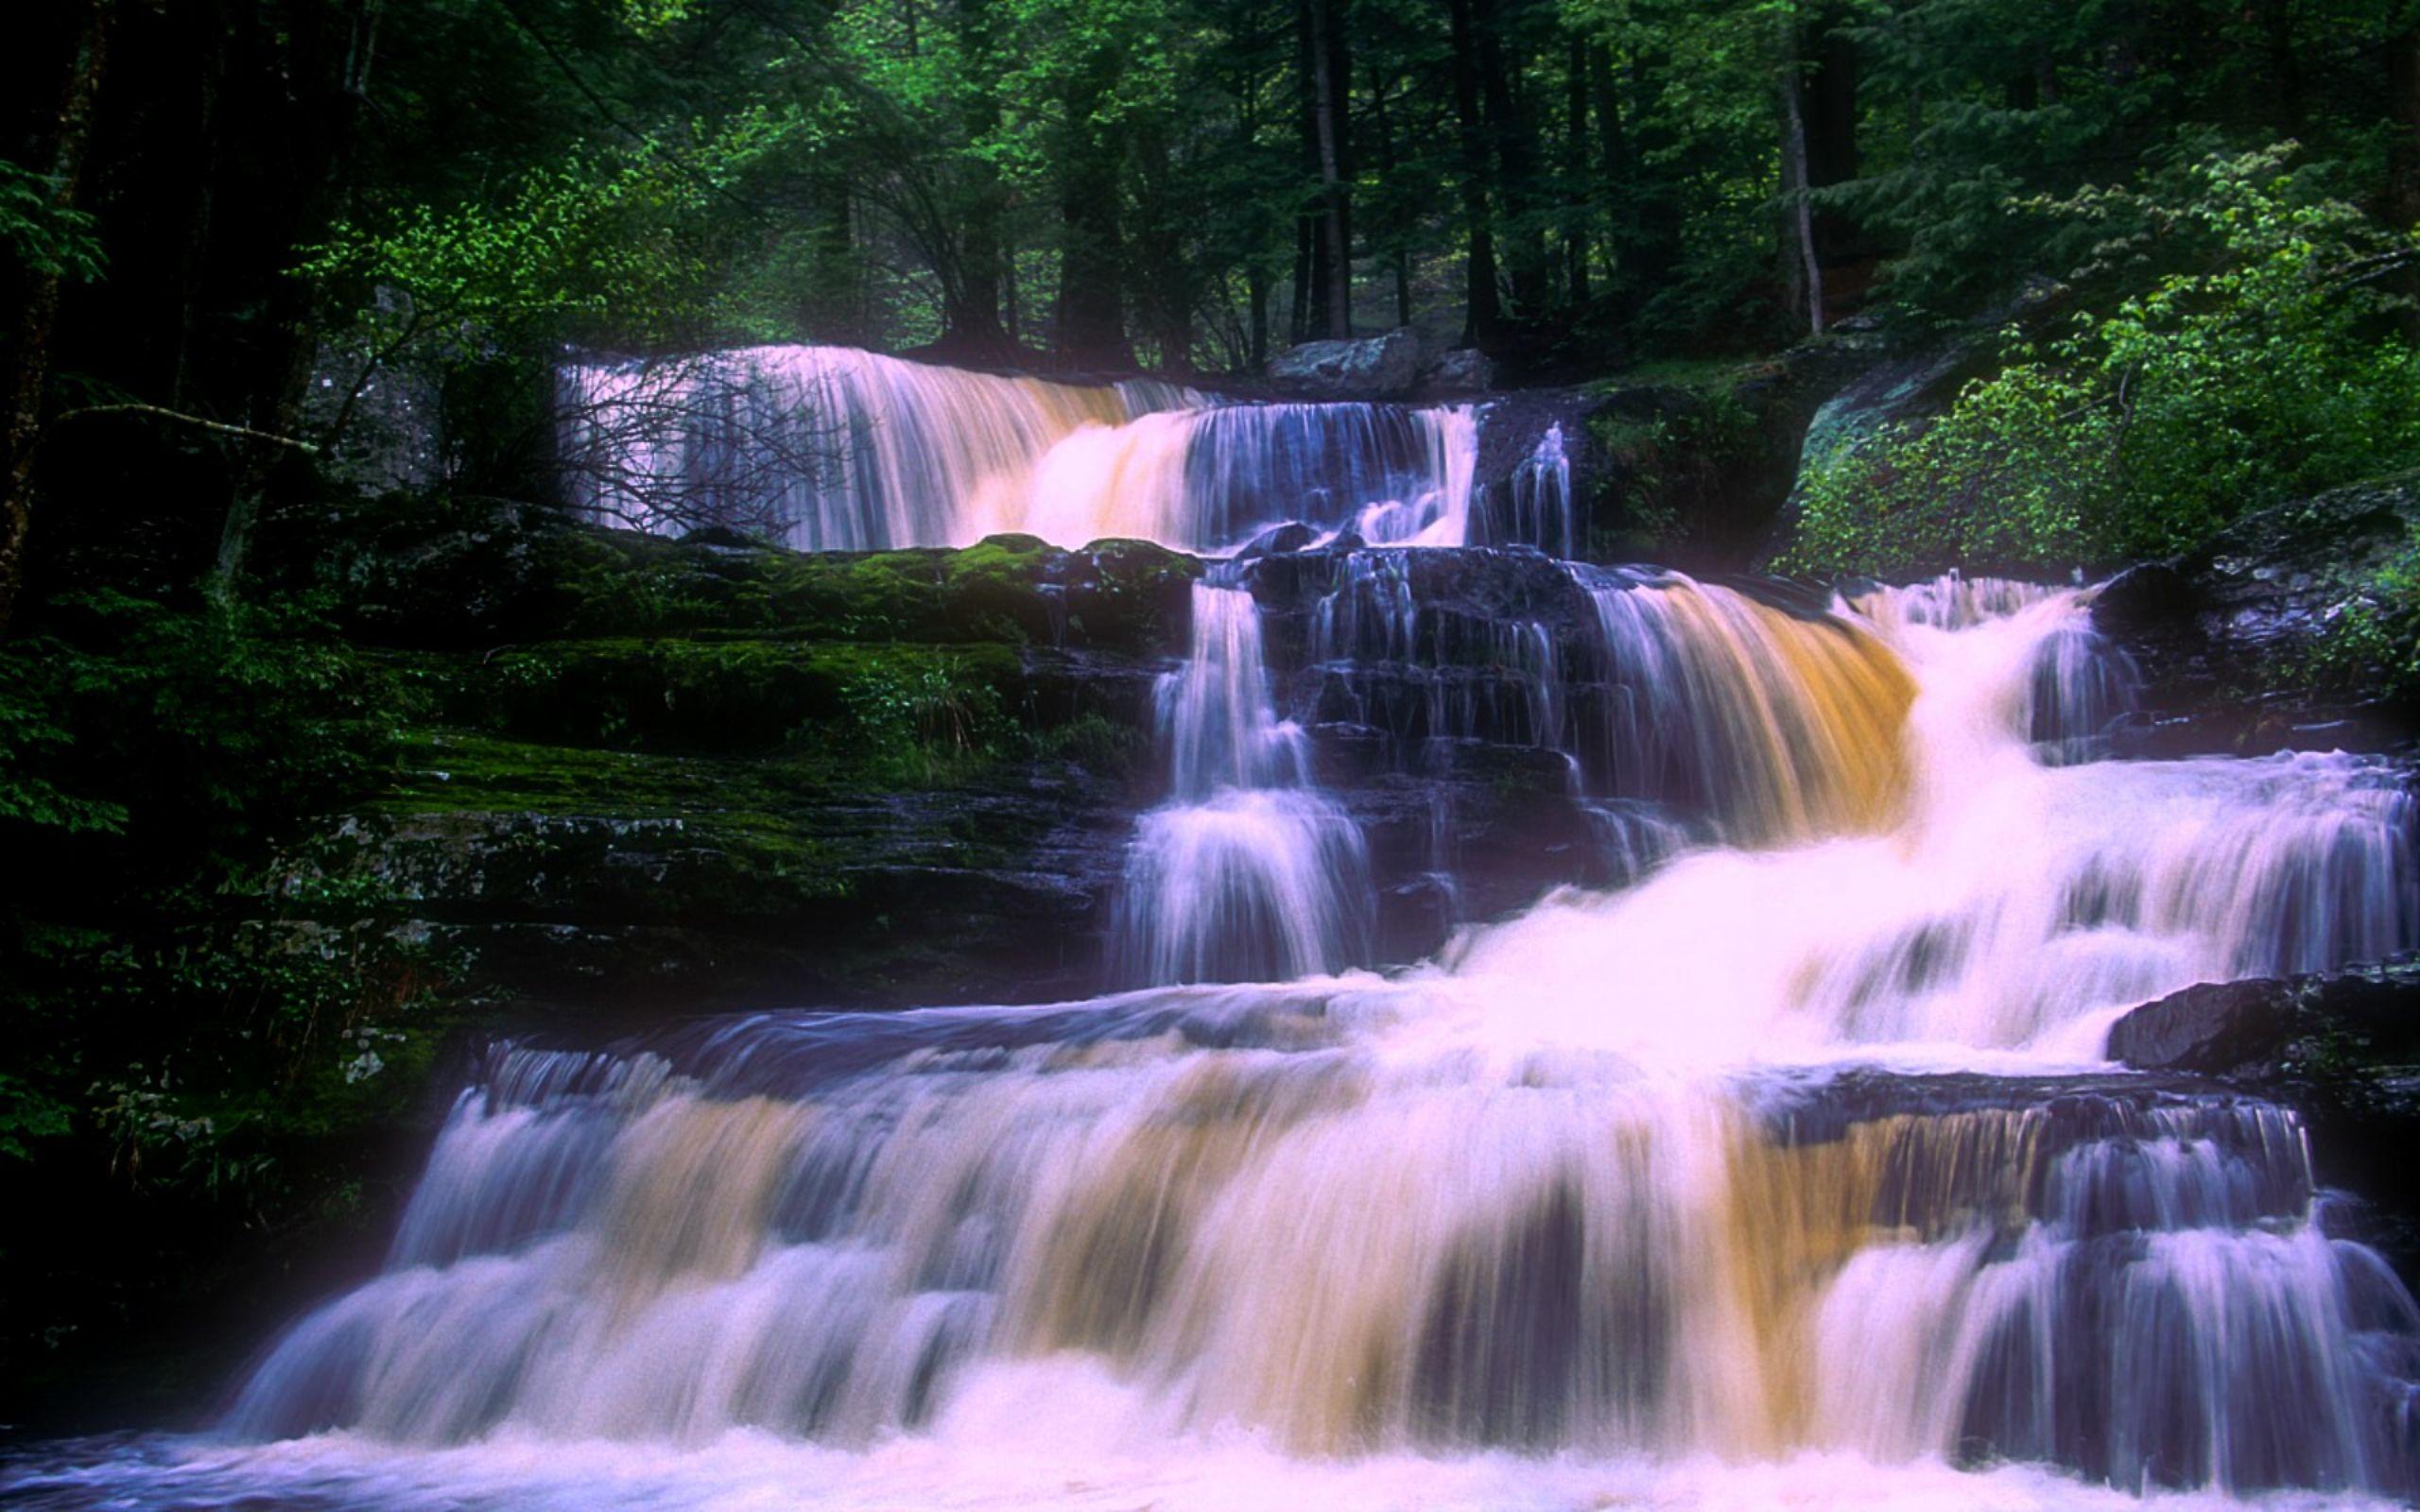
point(2274, 373)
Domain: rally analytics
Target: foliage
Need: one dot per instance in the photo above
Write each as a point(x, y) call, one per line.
point(196, 739)
point(2373, 643)
point(617, 243)
point(38, 233)
point(2277, 370)
point(180, 1017)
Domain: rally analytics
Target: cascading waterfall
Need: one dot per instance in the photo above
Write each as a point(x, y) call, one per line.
point(1248, 873)
point(830, 448)
point(1788, 1173)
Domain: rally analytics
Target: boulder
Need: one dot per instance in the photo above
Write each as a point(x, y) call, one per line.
point(1382, 366)
point(2345, 1021)
point(1463, 371)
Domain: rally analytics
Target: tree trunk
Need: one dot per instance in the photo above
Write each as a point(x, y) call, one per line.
point(1330, 94)
point(1575, 209)
point(1618, 184)
point(2403, 144)
point(1829, 94)
point(1512, 132)
point(1298, 315)
point(1092, 303)
point(1800, 212)
point(1483, 322)
point(1398, 255)
point(2403, 157)
point(326, 62)
point(971, 304)
point(1257, 291)
point(28, 350)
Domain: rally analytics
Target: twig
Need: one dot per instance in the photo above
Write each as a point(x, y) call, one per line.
point(180, 417)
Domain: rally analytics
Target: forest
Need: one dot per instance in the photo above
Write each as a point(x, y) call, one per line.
point(344, 734)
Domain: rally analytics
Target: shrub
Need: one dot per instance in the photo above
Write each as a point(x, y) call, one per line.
point(2276, 372)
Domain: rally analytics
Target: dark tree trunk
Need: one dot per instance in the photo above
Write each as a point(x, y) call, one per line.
point(2403, 157)
point(1483, 323)
point(1256, 292)
point(1829, 99)
point(970, 291)
point(2403, 144)
point(832, 261)
point(27, 355)
point(1399, 255)
point(1617, 179)
point(1091, 317)
point(1514, 137)
point(1575, 209)
point(1654, 241)
point(1298, 315)
point(326, 64)
point(1331, 93)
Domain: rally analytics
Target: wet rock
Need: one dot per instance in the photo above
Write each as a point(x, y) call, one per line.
point(1382, 366)
point(2227, 636)
point(992, 894)
point(2350, 1020)
point(1279, 539)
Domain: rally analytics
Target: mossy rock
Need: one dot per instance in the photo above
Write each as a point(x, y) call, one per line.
point(439, 572)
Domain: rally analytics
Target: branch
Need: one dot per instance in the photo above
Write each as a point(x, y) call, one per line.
point(180, 416)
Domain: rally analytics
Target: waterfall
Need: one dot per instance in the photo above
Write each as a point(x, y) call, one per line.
point(1248, 873)
point(828, 448)
point(1781, 1165)
point(1541, 507)
point(1252, 1221)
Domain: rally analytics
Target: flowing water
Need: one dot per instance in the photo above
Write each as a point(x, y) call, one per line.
point(1786, 1174)
point(833, 448)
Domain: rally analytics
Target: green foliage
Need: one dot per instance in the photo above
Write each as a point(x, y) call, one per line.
point(620, 242)
point(918, 721)
point(2275, 372)
point(149, 758)
point(2373, 643)
point(38, 233)
point(1675, 468)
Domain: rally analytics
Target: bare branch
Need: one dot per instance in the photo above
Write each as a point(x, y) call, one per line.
point(245, 432)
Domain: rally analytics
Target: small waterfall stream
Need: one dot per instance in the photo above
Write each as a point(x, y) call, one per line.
point(1782, 1169)
point(1248, 873)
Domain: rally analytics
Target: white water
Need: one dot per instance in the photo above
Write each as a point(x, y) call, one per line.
point(2016, 906)
point(1248, 871)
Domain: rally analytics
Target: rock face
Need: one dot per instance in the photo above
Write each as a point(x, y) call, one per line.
point(1364, 367)
point(2225, 636)
point(2343, 1049)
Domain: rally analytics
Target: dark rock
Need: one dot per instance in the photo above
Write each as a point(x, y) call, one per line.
point(2227, 636)
point(2353, 1019)
point(720, 535)
point(995, 894)
point(1279, 539)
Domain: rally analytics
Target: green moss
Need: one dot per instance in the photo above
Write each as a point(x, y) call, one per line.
point(1007, 588)
point(714, 695)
